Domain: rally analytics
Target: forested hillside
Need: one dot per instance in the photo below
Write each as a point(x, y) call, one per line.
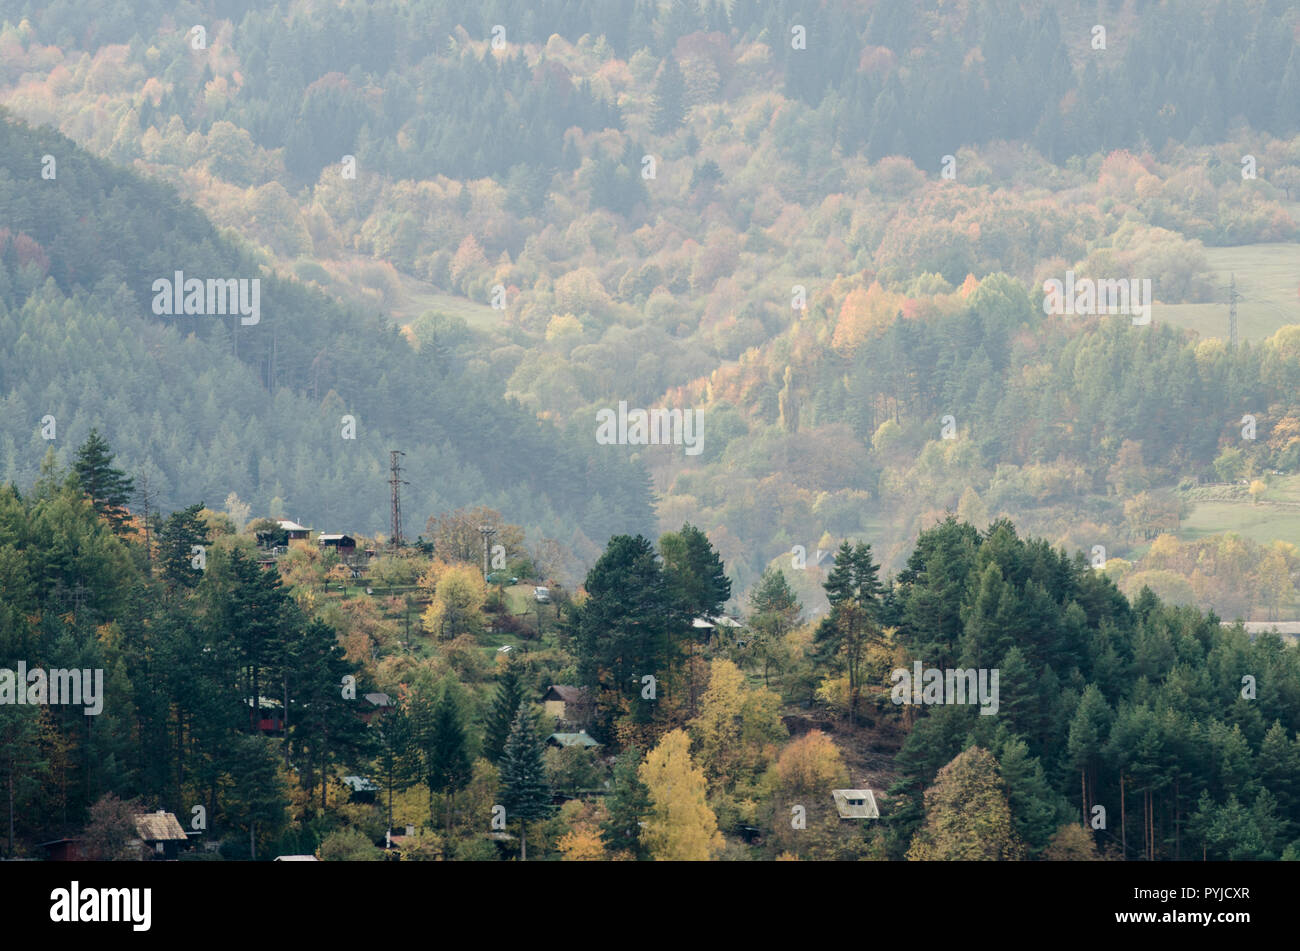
point(730, 207)
point(205, 406)
point(760, 369)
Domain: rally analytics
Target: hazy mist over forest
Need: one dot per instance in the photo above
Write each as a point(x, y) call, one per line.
point(643, 398)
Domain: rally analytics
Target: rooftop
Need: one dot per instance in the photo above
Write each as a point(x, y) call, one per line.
point(159, 826)
point(567, 694)
point(573, 739)
point(855, 803)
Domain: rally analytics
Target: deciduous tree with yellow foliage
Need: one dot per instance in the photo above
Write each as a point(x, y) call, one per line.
point(967, 816)
point(680, 826)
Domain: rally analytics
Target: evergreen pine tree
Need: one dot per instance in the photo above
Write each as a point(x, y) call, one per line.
point(505, 705)
point(393, 732)
point(525, 793)
point(180, 533)
point(669, 106)
point(109, 489)
point(627, 804)
point(448, 765)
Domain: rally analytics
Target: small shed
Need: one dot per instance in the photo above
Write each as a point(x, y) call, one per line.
point(564, 740)
point(855, 803)
point(296, 858)
point(62, 850)
point(343, 544)
point(161, 833)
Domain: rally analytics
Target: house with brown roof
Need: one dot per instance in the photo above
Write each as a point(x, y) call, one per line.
point(566, 704)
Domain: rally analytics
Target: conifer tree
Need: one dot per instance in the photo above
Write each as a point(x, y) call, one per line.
point(853, 589)
point(505, 705)
point(627, 805)
point(525, 793)
point(395, 761)
point(449, 766)
point(182, 530)
point(774, 609)
point(669, 106)
point(108, 489)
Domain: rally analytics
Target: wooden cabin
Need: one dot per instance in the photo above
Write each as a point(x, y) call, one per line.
point(565, 704)
point(293, 530)
point(161, 835)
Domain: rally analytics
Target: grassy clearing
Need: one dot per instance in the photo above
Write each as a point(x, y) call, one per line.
point(1260, 523)
point(419, 296)
point(1267, 278)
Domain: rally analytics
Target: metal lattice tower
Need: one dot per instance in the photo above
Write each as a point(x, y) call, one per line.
point(1233, 297)
point(487, 531)
point(395, 480)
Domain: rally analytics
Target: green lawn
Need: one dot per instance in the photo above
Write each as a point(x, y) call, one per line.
point(1267, 278)
point(1260, 523)
point(419, 296)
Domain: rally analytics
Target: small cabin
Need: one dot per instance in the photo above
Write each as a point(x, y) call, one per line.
point(855, 803)
point(345, 545)
point(293, 530)
point(270, 715)
point(375, 704)
point(362, 788)
point(161, 833)
point(62, 850)
point(564, 703)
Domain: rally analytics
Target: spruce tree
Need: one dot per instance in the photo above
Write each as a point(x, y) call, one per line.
point(108, 489)
point(180, 533)
point(505, 705)
point(628, 804)
point(448, 765)
point(525, 793)
point(395, 760)
point(669, 107)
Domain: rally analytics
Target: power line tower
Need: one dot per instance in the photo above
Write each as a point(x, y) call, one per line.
point(487, 531)
point(1233, 297)
point(395, 480)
